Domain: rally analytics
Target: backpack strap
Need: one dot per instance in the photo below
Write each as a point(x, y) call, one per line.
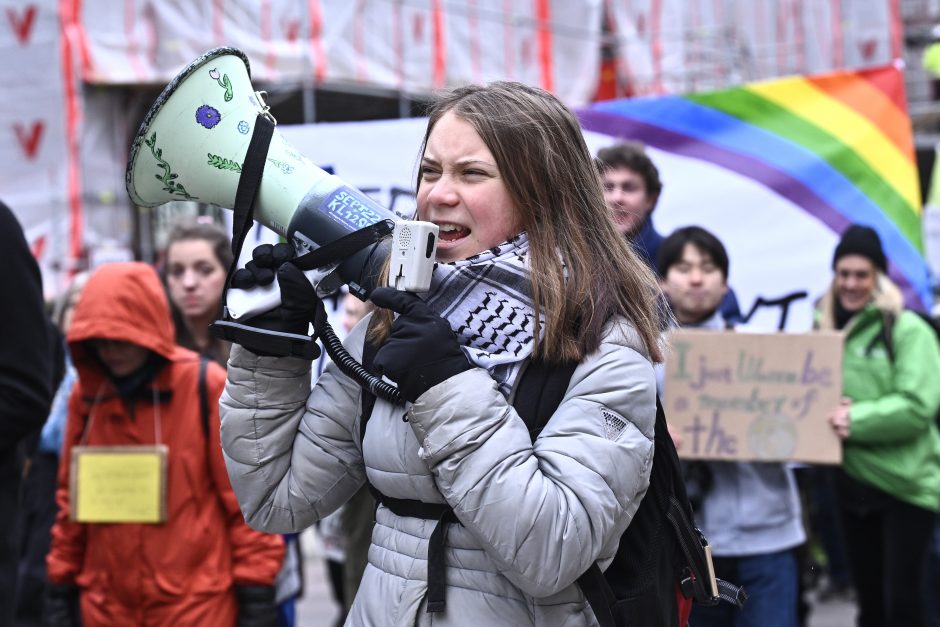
point(541, 388)
point(204, 395)
point(440, 512)
point(599, 595)
point(885, 335)
point(594, 584)
point(444, 515)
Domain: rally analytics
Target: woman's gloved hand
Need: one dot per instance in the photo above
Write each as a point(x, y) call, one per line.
point(421, 350)
point(60, 606)
point(256, 606)
point(300, 304)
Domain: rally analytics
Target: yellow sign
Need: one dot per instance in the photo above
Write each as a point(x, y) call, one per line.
point(118, 484)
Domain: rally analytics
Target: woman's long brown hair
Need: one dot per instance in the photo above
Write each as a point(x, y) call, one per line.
point(552, 180)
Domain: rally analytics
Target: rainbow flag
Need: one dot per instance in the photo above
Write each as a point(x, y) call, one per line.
point(839, 146)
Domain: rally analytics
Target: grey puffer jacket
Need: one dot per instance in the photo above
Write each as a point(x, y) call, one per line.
point(533, 516)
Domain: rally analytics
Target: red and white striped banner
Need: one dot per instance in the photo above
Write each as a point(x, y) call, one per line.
point(681, 46)
point(40, 121)
point(412, 45)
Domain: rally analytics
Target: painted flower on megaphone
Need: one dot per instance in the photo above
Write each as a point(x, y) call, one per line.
point(208, 116)
point(223, 81)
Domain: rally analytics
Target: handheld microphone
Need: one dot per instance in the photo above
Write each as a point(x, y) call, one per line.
point(412, 256)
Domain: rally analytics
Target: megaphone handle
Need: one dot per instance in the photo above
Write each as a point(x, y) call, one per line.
point(354, 370)
point(265, 341)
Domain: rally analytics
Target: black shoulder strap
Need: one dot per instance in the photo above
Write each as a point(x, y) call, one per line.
point(599, 595)
point(885, 335)
point(540, 390)
point(203, 394)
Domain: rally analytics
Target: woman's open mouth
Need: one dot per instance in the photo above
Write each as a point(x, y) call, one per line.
point(452, 232)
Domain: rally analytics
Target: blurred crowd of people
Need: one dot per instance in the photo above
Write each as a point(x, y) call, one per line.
point(870, 526)
point(133, 368)
point(127, 360)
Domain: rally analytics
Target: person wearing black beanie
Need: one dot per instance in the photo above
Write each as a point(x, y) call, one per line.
point(888, 485)
point(858, 261)
point(863, 241)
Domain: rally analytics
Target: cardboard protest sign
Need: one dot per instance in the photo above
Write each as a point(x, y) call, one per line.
point(756, 397)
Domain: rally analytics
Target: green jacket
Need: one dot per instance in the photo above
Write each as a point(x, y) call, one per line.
point(893, 443)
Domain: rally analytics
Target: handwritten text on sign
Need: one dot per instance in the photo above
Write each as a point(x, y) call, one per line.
point(743, 396)
point(120, 484)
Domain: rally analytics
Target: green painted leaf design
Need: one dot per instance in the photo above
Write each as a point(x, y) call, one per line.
point(223, 164)
point(169, 185)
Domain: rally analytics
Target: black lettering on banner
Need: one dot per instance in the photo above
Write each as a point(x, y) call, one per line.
point(783, 302)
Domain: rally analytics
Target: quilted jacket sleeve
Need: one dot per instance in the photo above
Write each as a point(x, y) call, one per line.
point(545, 511)
point(268, 418)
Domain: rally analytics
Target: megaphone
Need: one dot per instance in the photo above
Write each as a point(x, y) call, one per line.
point(210, 137)
point(192, 145)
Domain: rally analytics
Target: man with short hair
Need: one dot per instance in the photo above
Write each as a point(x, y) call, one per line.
point(632, 187)
point(750, 512)
point(694, 269)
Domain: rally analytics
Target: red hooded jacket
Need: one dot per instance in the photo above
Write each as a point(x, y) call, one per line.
point(181, 571)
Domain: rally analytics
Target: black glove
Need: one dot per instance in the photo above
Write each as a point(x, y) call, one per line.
point(299, 306)
point(421, 350)
point(60, 606)
point(256, 606)
point(265, 259)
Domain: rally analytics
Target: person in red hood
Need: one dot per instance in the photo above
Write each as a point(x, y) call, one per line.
point(202, 565)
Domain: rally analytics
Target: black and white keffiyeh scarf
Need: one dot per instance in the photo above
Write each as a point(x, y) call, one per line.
point(487, 299)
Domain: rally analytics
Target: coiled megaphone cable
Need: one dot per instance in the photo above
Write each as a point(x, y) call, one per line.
point(354, 370)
